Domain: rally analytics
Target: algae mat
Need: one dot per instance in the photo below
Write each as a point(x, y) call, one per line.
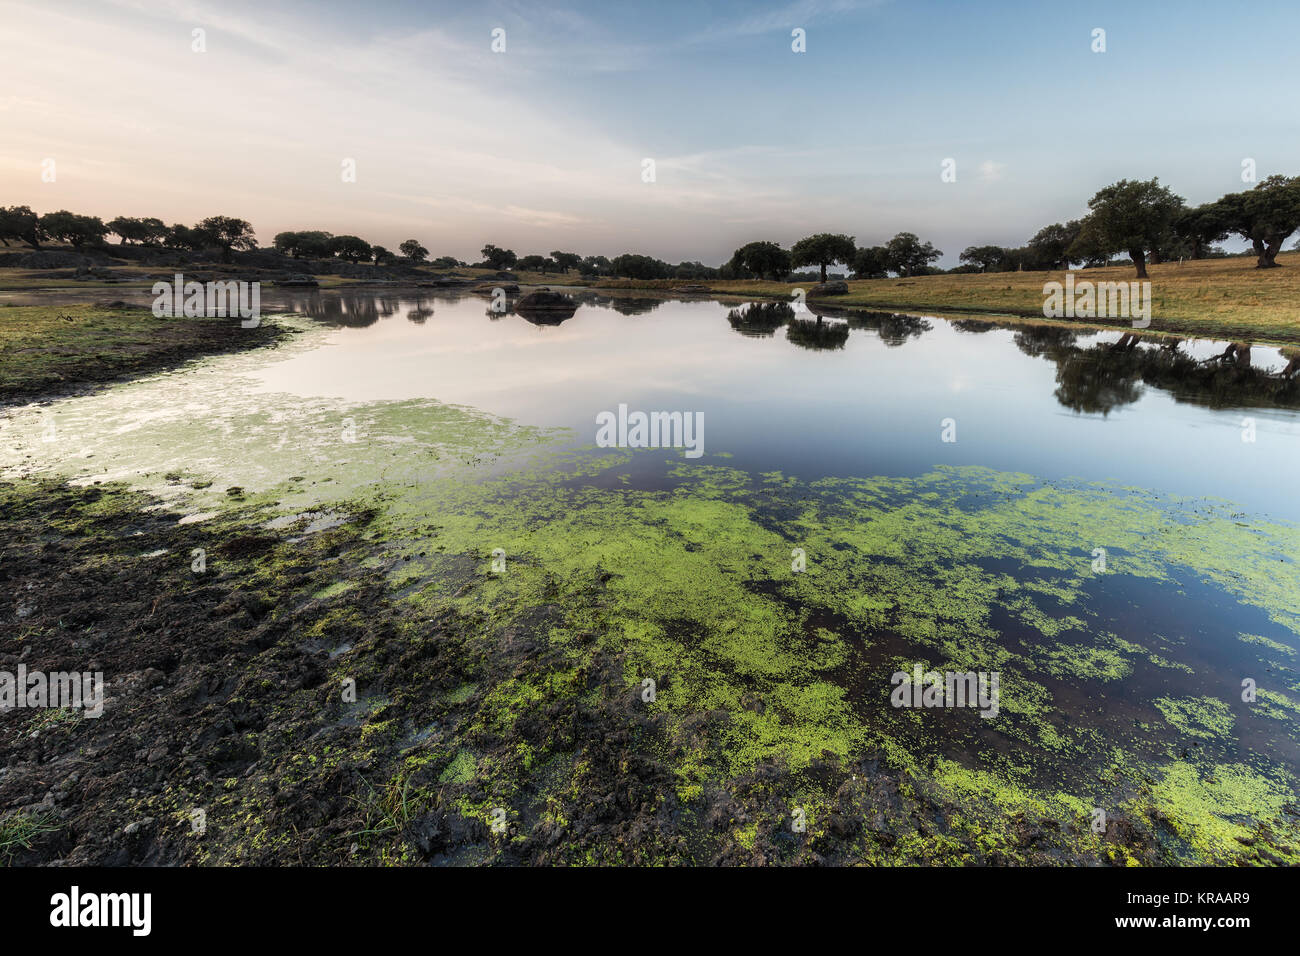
point(1159, 681)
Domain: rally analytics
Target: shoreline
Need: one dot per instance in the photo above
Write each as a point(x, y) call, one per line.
point(1225, 299)
point(58, 351)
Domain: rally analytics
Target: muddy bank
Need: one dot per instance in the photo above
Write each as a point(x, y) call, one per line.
point(51, 351)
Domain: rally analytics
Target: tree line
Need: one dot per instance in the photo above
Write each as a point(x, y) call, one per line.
point(1149, 222)
point(225, 234)
point(1140, 218)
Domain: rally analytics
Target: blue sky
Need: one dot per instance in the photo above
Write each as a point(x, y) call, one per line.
point(541, 147)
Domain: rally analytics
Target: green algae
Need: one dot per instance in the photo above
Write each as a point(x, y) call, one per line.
point(698, 595)
point(1277, 705)
point(1266, 642)
point(1197, 716)
point(461, 769)
point(1216, 810)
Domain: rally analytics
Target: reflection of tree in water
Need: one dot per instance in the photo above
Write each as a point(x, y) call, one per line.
point(1107, 375)
point(974, 326)
point(760, 319)
point(419, 316)
point(626, 305)
point(817, 334)
point(1049, 340)
point(893, 328)
point(1094, 380)
point(351, 309)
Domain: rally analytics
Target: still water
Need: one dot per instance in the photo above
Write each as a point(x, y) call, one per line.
point(868, 395)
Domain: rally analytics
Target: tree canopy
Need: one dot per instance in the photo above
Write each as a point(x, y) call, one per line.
point(74, 229)
point(1264, 216)
point(228, 233)
point(412, 249)
point(1133, 216)
point(984, 258)
point(498, 258)
point(822, 250)
point(20, 224)
point(764, 259)
point(908, 255)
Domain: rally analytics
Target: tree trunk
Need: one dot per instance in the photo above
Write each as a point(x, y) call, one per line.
point(1140, 260)
point(823, 272)
point(1261, 262)
point(1268, 254)
point(1156, 258)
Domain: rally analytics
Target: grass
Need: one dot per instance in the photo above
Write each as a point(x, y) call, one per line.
point(18, 831)
point(52, 718)
point(1215, 298)
point(50, 348)
point(386, 811)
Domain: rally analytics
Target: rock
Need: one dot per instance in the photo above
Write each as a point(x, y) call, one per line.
point(133, 828)
point(298, 280)
point(544, 307)
point(833, 287)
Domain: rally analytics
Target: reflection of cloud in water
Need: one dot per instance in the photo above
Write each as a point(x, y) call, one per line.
point(189, 435)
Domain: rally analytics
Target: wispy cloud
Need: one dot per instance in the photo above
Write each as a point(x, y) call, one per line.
point(782, 18)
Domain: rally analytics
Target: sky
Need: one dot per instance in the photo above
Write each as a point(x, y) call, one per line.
point(542, 146)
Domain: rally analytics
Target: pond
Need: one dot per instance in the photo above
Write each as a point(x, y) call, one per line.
point(871, 401)
point(1107, 524)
